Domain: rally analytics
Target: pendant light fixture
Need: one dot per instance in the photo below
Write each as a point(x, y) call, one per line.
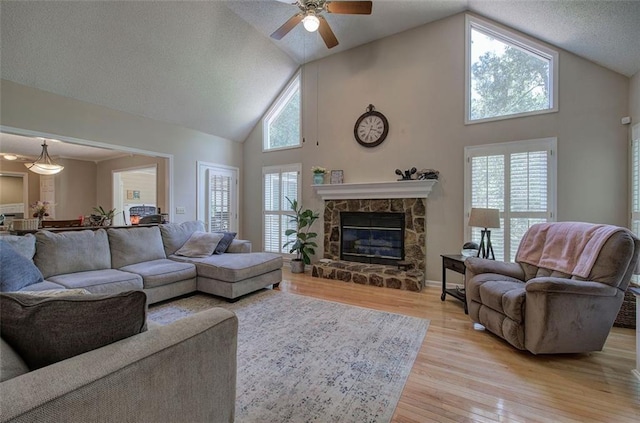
point(43, 165)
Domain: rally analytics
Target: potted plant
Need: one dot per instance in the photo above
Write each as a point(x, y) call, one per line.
point(103, 217)
point(318, 174)
point(302, 245)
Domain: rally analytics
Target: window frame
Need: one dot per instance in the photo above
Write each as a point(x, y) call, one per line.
point(507, 148)
point(634, 185)
point(510, 37)
point(202, 193)
point(294, 84)
point(292, 167)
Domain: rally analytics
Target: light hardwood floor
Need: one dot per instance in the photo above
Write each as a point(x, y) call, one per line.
point(462, 375)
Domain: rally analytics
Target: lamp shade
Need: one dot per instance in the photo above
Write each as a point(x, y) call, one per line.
point(311, 22)
point(43, 165)
point(484, 218)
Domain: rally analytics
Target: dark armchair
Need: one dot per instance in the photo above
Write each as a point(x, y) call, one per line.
point(570, 305)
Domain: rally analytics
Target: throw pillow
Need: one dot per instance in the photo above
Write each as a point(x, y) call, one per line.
point(62, 292)
point(200, 244)
point(224, 242)
point(65, 326)
point(17, 270)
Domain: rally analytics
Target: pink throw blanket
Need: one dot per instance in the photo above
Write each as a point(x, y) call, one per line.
point(567, 247)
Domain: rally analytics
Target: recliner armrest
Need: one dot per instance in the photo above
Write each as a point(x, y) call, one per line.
point(477, 265)
point(570, 286)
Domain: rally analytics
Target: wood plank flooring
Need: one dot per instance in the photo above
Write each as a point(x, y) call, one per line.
point(463, 375)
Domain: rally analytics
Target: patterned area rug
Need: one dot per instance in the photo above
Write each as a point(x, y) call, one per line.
point(302, 359)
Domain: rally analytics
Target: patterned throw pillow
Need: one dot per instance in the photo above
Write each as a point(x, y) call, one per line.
point(64, 326)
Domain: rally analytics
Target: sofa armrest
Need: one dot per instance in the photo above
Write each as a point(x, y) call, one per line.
point(183, 372)
point(570, 286)
point(477, 265)
point(239, 246)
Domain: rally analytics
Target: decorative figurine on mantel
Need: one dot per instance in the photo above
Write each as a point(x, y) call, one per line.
point(428, 174)
point(407, 175)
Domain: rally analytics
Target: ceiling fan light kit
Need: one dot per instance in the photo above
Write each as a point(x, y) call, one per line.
point(312, 20)
point(44, 165)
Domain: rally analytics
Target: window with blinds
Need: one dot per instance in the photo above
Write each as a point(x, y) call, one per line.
point(635, 180)
point(217, 204)
point(517, 178)
point(279, 183)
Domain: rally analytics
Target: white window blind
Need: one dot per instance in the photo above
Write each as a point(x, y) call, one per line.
point(219, 202)
point(518, 179)
point(635, 180)
point(279, 183)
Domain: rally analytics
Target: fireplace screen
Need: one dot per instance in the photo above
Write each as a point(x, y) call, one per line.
point(372, 237)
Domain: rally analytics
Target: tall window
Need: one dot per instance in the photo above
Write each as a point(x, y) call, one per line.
point(282, 126)
point(279, 183)
point(519, 178)
point(635, 180)
point(217, 204)
point(507, 75)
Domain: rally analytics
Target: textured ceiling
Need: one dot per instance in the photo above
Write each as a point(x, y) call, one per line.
point(211, 66)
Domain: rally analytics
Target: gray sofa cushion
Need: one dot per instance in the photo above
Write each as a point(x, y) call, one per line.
point(69, 252)
point(135, 245)
point(200, 244)
point(108, 281)
point(25, 245)
point(239, 246)
point(162, 272)
point(62, 327)
point(16, 271)
point(175, 235)
point(234, 267)
point(42, 286)
point(11, 364)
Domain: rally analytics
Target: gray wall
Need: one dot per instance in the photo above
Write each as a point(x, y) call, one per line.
point(416, 79)
point(634, 99)
point(29, 108)
point(75, 189)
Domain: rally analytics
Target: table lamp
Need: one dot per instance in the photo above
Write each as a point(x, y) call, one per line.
point(485, 218)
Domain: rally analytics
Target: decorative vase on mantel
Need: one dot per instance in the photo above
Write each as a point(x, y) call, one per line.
point(318, 178)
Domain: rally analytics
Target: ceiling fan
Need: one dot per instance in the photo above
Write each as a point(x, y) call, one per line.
point(311, 18)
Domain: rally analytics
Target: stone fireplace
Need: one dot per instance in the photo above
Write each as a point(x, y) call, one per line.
point(386, 200)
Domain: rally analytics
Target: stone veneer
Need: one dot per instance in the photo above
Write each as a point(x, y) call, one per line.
point(370, 274)
point(414, 228)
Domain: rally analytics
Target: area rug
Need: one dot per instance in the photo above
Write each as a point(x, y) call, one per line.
point(302, 359)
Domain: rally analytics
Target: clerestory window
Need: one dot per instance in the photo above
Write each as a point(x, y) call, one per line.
point(507, 75)
point(282, 126)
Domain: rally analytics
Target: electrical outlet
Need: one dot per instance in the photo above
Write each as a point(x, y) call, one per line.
point(180, 210)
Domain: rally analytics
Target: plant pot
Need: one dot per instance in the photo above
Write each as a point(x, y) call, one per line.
point(318, 178)
point(297, 266)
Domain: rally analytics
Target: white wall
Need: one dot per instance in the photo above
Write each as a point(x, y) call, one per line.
point(634, 99)
point(36, 110)
point(416, 79)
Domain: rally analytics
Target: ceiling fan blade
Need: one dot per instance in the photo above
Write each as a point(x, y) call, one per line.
point(287, 26)
point(350, 7)
point(326, 33)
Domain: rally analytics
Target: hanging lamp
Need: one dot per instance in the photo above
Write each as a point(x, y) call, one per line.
point(43, 165)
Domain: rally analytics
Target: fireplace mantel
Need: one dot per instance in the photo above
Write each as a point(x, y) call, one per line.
point(376, 190)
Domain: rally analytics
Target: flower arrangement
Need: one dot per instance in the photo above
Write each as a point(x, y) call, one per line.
point(317, 170)
point(40, 209)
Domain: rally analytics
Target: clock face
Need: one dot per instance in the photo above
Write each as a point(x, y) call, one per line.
point(371, 129)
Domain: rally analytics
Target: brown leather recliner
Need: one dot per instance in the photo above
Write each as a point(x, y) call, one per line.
point(547, 311)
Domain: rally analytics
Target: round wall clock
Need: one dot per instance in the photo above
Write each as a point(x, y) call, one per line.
point(371, 128)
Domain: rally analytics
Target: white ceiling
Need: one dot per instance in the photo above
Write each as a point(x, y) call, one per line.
point(211, 65)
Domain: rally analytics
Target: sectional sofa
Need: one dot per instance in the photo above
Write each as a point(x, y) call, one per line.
point(144, 258)
point(182, 372)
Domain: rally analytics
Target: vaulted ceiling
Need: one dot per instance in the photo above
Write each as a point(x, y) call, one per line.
point(211, 65)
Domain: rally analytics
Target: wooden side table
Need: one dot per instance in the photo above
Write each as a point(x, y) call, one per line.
point(454, 262)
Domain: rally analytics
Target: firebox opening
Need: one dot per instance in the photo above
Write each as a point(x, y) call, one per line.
point(368, 237)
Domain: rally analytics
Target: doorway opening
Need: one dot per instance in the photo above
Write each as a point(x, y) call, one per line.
point(135, 187)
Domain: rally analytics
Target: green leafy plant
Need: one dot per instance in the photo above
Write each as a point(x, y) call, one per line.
point(302, 245)
point(107, 214)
